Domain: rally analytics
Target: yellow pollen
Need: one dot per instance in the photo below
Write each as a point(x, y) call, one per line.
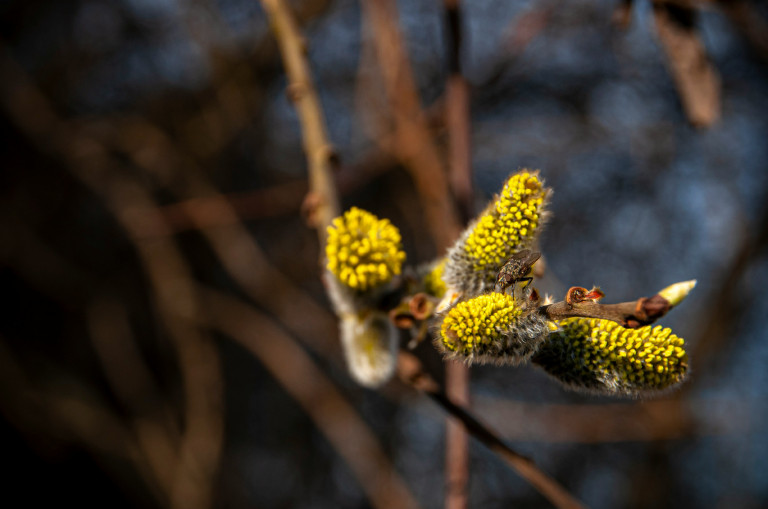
point(489, 314)
point(363, 251)
point(594, 348)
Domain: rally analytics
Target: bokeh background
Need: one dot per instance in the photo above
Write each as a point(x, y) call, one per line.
point(166, 341)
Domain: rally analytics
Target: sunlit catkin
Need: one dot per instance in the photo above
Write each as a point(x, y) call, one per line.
point(602, 356)
point(491, 328)
point(510, 223)
point(363, 251)
point(370, 348)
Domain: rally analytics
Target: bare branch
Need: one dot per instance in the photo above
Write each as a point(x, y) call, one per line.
point(90, 162)
point(460, 179)
point(648, 420)
point(697, 80)
point(412, 373)
point(412, 141)
point(333, 414)
point(321, 158)
point(643, 311)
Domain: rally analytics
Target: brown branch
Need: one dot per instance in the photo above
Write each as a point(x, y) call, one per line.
point(412, 373)
point(35, 411)
point(752, 25)
point(412, 140)
point(652, 420)
point(643, 311)
point(247, 264)
point(321, 158)
point(219, 222)
point(250, 268)
point(697, 80)
point(152, 423)
point(458, 117)
point(88, 161)
point(460, 180)
point(331, 412)
point(201, 444)
point(456, 439)
point(278, 200)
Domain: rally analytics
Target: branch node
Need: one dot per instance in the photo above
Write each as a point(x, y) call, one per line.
point(295, 91)
point(310, 209)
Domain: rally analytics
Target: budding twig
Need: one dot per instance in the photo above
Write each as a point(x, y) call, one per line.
point(644, 311)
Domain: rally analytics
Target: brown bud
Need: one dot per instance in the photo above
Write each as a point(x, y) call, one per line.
point(420, 306)
point(653, 307)
point(401, 318)
point(309, 208)
point(575, 295)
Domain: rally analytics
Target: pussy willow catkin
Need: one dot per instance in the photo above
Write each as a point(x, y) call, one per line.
point(602, 356)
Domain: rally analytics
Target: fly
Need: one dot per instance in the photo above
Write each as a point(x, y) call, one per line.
point(516, 270)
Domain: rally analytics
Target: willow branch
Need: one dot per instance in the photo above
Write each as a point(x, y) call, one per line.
point(643, 311)
point(460, 180)
point(132, 382)
point(322, 203)
point(648, 420)
point(412, 140)
point(697, 80)
point(87, 160)
point(412, 372)
point(303, 380)
point(218, 220)
point(278, 200)
point(247, 264)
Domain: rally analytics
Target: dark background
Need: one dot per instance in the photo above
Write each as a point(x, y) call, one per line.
point(126, 124)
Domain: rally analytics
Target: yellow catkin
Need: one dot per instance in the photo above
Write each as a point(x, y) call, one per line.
point(491, 328)
point(363, 251)
point(433, 280)
point(602, 355)
point(509, 224)
point(479, 322)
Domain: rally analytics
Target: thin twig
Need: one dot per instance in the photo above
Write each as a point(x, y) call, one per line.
point(137, 136)
point(37, 410)
point(238, 251)
point(248, 265)
point(412, 140)
point(411, 371)
point(89, 162)
point(643, 311)
point(651, 420)
point(460, 179)
point(697, 80)
point(322, 203)
point(250, 268)
point(131, 380)
point(300, 376)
